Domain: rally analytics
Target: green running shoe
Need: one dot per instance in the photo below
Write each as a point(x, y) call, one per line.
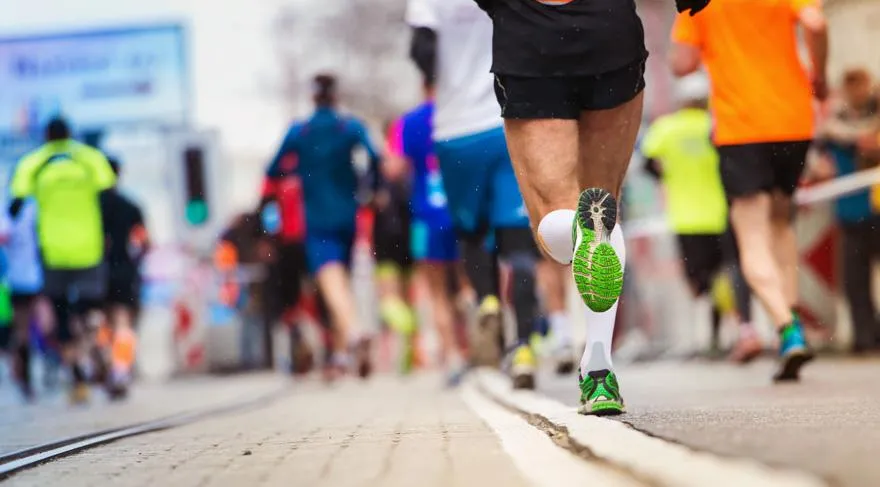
point(598, 272)
point(600, 394)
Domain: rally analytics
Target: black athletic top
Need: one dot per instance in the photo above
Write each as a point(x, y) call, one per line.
point(579, 38)
point(120, 218)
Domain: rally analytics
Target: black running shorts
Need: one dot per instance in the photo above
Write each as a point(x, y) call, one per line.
point(566, 97)
point(562, 38)
point(747, 169)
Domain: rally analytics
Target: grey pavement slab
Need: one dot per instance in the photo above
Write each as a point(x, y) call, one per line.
point(388, 432)
point(52, 418)
point(828, 424)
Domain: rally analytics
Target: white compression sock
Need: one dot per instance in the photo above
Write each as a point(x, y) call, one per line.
point(555, 231)
point(600, 326)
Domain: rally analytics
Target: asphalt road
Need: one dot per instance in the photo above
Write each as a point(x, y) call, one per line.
point(828, 424)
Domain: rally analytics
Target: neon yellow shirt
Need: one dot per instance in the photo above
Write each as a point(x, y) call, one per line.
point(681, 143)
point(65, 178)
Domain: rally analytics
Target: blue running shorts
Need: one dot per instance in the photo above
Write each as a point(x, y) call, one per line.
point(480, 183)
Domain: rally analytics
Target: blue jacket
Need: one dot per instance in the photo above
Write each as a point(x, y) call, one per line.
point(323, 149)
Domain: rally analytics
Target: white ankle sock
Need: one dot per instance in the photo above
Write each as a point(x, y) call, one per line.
point(600, 326)
point(555, 231)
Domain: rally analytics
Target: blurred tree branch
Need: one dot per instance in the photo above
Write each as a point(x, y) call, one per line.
point(363, 42)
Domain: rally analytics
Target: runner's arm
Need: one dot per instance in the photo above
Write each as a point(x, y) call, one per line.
point(421, 15)
point(651, 147)
point(288, 147)
point(140, 234)
point(373, 175)
point(684, 56)
point(394, 164)
point(811, 18)
point(102, 172)
point(21, 186)
point(276, 170)
point(423, 52)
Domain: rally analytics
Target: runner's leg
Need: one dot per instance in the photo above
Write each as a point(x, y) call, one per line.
point(328, 257)
point(545, 159)
point(516, 246)
point(750, 216)
point(554, 159)
point(785, 244)
point(123, 349)
point(23, 313)
point(607, 139)
point(518, 250)
point(748, 346)
point(553, 278)
point(391, 247)
point(702, 261)
point(436, 276)
point(335, 286)
point(71, 350)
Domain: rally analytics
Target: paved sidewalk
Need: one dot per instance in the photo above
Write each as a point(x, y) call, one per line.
point(52, 418)
point(388, 432)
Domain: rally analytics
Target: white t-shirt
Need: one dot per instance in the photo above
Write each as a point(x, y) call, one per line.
point(25, 273)
point(465, 101)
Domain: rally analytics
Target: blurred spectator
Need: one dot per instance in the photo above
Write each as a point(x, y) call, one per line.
point(849, 138)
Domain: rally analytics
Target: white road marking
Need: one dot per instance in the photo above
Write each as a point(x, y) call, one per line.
point(651, 458)
point(539, 459)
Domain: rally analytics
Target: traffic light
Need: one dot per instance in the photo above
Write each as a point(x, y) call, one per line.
point(196, 203)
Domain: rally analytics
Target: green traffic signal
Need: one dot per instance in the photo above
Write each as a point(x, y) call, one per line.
point(196, 212)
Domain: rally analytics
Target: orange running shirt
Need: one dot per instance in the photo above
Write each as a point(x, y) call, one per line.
point(760, 90)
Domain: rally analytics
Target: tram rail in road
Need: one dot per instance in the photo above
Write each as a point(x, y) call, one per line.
point(14, 462)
